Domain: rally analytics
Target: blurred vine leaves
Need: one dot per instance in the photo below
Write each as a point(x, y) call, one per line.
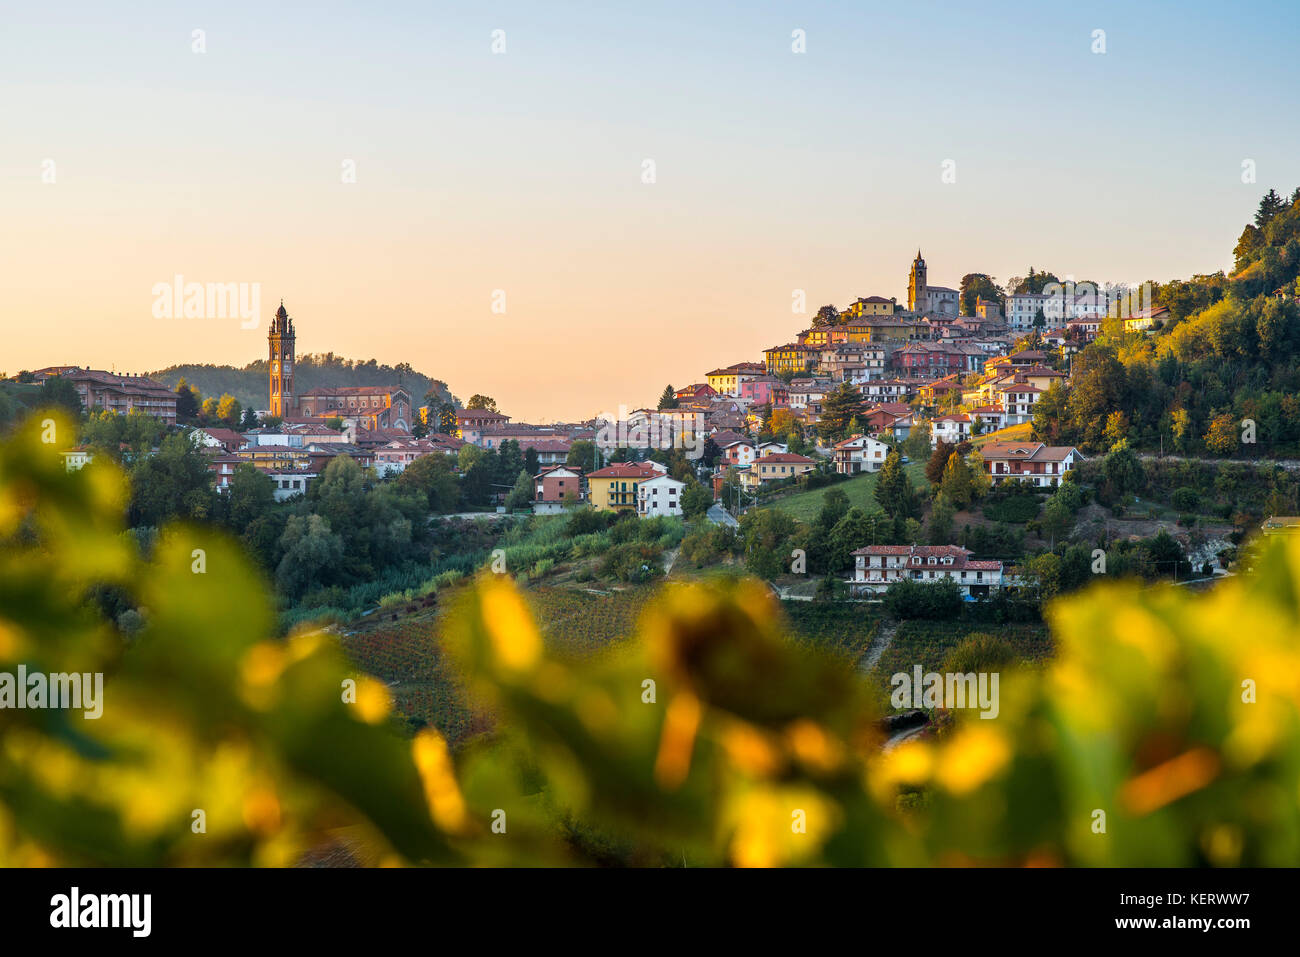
point(710, 739)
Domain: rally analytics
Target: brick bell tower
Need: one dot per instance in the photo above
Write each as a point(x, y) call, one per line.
point(280, 340)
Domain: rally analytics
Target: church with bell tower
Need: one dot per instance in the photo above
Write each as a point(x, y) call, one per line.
point(280, 340)
point(926, 300)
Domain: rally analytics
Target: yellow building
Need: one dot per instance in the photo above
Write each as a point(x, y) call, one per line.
point(880, 330)
point(871, 306)
point(613, 488)
point(791, 357)
point(723, 381)
point(773, 468)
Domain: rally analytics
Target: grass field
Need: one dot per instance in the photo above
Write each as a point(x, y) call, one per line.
point(806, 505)
point(1012, 433)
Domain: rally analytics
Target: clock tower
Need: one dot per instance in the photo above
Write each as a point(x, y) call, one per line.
point(918, 299)
point(280, 340)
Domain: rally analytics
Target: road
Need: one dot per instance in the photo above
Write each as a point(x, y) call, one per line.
point(720, 516)
point(1291, 465)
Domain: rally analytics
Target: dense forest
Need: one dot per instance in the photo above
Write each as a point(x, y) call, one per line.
point(249, 384)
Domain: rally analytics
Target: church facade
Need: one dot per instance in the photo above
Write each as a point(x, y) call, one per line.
point(926, 300)
point(368, 407)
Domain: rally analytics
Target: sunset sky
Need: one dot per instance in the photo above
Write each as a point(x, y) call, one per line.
point(522, 172)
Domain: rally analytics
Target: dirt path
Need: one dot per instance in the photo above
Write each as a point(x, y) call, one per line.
point(884, 638)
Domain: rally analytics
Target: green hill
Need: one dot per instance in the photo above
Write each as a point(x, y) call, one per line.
point(249, 384)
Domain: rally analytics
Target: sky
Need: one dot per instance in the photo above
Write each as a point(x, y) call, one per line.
point(414, 196)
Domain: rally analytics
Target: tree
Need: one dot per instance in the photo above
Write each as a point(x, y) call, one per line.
point(838, 409)
point(940, 524)
point(522, 494)
point(1032, 283)
point(434, 477)
point(976, 286)
point(1057, 520)
point(696, 500)
point(1269, 206)
point(835, 505)
point(1179, 427)
point(1117, 428)
point(532, 461)
point(510, 462)
point(783, 422)
point(582, 455)
point(250, 496)
point(667, 399)
point(957, 486)
point(59, 392)
point(447, 419)
point(229, 411)
point(894, 491)
point(485, 402)
point(826, 316)
point(980, 479)
point(175, 483)
point(854, 530)
point(766, 534)
point(1186, 499)
point(312, 555)
point(917, 444)
point(1123, 469)
point(1051, 416)
point(938, 462)
point(187, 401)
point(1221, 439)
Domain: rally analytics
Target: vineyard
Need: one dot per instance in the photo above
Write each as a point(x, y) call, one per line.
point(844, 629)
point(928, 643)
point(407, 655)
point(580, 621)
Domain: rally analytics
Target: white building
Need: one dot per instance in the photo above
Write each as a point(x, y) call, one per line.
point(949, 428)
point(862, 453)
point(876, 567)
point(659, 496)
point(1042, 465)
point(289, 483)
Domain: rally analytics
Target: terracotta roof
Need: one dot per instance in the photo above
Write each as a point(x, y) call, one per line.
point(1026, 451)
point(625, 470)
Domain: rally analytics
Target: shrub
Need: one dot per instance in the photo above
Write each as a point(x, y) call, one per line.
point(912, 599)
point(979, 652)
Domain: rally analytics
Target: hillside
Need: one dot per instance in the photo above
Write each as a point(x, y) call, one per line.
point(249, 384)
point(805, 506)
point(1218, 374)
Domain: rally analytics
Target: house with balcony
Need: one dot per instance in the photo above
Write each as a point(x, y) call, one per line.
point(877, 567)
point(774, 468)
point(1044, 466)
point(614, 488)
point(861, 453)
